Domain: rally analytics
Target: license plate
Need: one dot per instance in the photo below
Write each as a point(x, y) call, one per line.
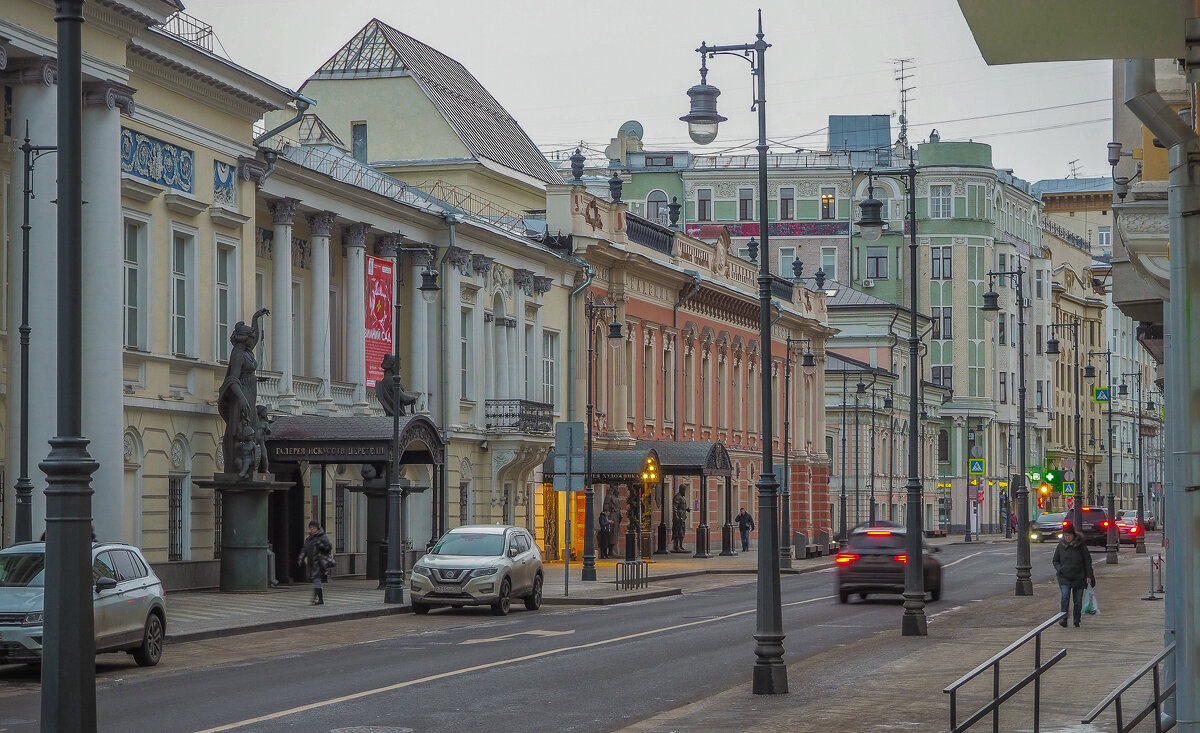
point(447, 589)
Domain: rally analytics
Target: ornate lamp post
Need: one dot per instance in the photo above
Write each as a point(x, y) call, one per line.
point(913, 623)
point(1053, 352)
point(1140, 540)
point(770, 673)
point(887, 405)
point(593, 311)
point(393, 589)
point(808, 363)
point(1020, 493)
point(1113, 541)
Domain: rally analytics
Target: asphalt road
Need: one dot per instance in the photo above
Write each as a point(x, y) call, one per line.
point(577, 669)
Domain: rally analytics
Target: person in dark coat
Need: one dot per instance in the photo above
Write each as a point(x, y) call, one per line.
point(1073, 565)
point(603, 535)
point(745, 523)
point(315, 558)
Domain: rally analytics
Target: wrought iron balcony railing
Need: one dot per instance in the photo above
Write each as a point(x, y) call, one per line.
point(519, 416)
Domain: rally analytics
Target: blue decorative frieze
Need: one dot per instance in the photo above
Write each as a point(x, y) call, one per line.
point(264, 244)
point(225, 177)
point(157, 161)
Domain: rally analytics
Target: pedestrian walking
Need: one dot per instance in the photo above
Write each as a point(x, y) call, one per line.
point(315, 558)
point(603, 535)
point(745, 524)
point(1073, 566)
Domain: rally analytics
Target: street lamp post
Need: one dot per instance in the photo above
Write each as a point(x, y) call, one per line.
point(1052, 351)
point(592, 311)
point(393, 589)
point(1139, 539)
point(913, 623)
point(23, 524)
point(1019, 493)
point(1113, 540)
point(887, 405)
point(842, 498)
point(859, 389)
point(770, 673)
point(808, 363)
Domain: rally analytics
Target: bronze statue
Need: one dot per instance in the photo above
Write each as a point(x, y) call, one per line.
point(237, 399)
point(385, 390)
point(679, 512)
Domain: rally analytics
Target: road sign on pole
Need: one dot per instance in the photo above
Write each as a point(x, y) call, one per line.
point(1100, 394)
point(976, 466)
point(1068, 488)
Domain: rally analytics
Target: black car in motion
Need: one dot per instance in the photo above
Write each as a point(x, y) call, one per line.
point(1047, 527)
point(874, 561)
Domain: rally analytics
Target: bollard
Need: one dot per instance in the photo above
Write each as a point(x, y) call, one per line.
point(1160, 573)
point(1152, 597)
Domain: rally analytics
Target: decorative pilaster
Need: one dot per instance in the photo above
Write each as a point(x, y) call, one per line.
point(320, 226)
point(283, 214)
point(354, 240)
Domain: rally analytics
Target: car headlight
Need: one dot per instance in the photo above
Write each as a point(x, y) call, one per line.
point(422, 570)
point(33, 619)
point(484, 572)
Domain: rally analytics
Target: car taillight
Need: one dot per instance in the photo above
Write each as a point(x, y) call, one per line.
point(1104, 524)
point(901, 559)
point(845, 558)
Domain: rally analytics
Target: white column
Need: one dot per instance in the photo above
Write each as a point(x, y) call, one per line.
point(418, 316)
point(452, 289)
point(320, 226)
point(283, 212)
point(103, 407)
point(354, 239)
point(34, 102)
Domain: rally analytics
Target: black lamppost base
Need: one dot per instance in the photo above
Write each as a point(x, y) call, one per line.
point(770, 679)
point(1139, 545)
point(914, 624)
point(631, 543)
point(1025, 587)
point(727, 541)
point(702, 542)
point(662, 540)
point(393, 592)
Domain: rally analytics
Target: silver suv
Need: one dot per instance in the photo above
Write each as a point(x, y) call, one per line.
point(130, 611)
point(479, 565)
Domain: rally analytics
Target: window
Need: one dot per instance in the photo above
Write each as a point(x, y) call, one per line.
point(224, 300)
point(828, 203)
point(656, 206)
point(935, 315)
point(659, 161)
point(704, 204)
point(829, 262)
point(1003, 265)
point(1003, 388)
point(1002, 329)
point(939, 202)
point(1038, 338)
point(550, 369)
point(943, 376)
point(464, 354)
point(104, 567)
point(358, 139)
point(877, 263)
point(947, 328)
point(1104, 236)
point(941, 264)
point(175, 517)
point(787, 255)
point(787, 204)
point(746, 204)
point(134, 286)
point(1040, 397)
point(181, 294)
point(943, 446)
point(648, 397)
point(1037, 284)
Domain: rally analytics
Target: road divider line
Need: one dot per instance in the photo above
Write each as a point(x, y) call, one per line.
point(968, 557)
point(480, 667)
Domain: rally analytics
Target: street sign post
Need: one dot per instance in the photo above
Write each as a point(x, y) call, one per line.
point(1068, 488)
point(1100, 395)
point(976, 466)
point(570, 470)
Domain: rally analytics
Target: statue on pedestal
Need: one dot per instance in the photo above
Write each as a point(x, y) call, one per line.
point(385, 390)
point(237, 402)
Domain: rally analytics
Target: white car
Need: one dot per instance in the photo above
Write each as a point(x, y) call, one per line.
point(479, 565)
point(1130, 515)
point(130, 610)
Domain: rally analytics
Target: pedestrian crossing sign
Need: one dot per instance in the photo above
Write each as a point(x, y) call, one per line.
point(1100, 395)
point(1068, 488)
point(976, 467)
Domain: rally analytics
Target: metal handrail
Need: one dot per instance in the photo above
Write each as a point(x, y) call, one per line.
point(998, 697)
point(1155, 702)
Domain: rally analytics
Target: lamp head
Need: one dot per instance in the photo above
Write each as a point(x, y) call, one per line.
point(702, 117)
point(429, 285)
point(1052, 349)
point(991, 304)
point(1114, 153)
point(614, 329)
point(1089, 372)
point(871, 222)
point(809, 361)
point(860, 387)
point(1123, 390)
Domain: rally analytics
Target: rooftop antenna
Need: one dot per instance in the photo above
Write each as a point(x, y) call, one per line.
point(903, 74)
point(1074, 168)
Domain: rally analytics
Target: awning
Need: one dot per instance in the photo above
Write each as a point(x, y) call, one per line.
point(363, 439)
point(674, 458)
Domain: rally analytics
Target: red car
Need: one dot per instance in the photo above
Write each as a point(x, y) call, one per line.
point(1128, 531)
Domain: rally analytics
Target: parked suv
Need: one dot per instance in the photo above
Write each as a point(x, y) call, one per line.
point(127, 597)
point(479, 565)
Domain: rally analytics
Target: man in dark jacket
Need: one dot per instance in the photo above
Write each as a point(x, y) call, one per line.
point(315, 558)
point(1073, 565)
point(745, 523)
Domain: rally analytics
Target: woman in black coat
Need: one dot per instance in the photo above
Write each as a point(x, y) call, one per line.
point(315, 558)
point(1073, 565)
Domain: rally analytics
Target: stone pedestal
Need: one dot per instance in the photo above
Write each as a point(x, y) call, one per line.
point(243, 528)
point(377, 517)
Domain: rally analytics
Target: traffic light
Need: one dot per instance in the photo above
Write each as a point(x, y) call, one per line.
point(1041, 502)
point(1045, 489)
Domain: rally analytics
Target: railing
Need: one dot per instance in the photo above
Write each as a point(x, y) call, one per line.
point(190, 29)
point(998, 697)
point(632, 574)
point(783, 288)
point(774, 160)
point(1155, 704)
point(654, 236)
point(307, 389)
point(343, 394)
point(1066, 235)
point(518, 416)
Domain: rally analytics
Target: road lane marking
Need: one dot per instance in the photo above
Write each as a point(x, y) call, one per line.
point(506, 637)
point(480, 667)
point(968, 557)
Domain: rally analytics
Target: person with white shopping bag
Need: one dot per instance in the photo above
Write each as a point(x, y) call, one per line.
point(1073, 566)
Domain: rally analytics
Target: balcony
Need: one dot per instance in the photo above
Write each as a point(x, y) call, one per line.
point(519, 416)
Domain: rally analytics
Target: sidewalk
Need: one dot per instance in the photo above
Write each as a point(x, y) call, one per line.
point(902, 688)
point(196, 615)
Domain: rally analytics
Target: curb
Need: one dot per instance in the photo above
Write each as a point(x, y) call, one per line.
point(255, 628)
point(610, 600)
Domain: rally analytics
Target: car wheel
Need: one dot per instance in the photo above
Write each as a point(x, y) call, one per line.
point(843, 596)
point(862, 596)
point(420, 608)
point(936, 593)
point(503, 603)
point(533, 601)
point(150, 652)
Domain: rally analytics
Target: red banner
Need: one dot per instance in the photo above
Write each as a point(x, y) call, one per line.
point(378, 339)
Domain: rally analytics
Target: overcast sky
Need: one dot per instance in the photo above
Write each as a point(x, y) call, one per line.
point(569, 70)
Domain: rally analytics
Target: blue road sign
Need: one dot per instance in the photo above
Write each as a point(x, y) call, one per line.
point(1100, 394)
point(976, 466)
point(1068, 488)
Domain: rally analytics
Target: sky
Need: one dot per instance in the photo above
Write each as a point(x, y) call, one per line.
point(572, 71)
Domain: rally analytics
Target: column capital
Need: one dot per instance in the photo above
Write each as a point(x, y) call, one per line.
point(251, 168)
point(110, 94)
point(385, 245)
point(41, 70)
point(355, 235)
point(3, 58)
point(283, 211)
point(321, 223)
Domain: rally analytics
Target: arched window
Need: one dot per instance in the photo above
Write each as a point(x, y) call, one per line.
point(943, 447)
point(656, 206)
